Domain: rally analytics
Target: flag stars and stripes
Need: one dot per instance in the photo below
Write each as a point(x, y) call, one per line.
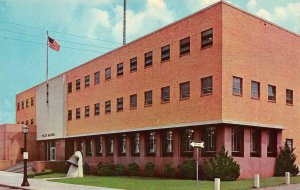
point(53, 44)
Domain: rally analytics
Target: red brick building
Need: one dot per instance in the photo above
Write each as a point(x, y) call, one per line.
point(220, 75)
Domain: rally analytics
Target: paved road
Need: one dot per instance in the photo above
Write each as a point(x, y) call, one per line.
point(14, 179)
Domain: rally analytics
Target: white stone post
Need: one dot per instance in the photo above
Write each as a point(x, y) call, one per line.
point(287, 178)
point(217, 183)
point(256, 181)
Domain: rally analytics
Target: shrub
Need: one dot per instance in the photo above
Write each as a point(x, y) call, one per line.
point(106, 169)
point(286, 162)
point(188, 169)
point(86, 168)
point(133, 169)
point(119, 169)
point(169, 170)
point(222, 166)
point(149, 169)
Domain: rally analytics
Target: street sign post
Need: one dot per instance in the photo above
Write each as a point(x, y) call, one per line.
point(197, 145)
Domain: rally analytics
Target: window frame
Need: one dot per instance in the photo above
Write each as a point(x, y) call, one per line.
point(132, 105)
point(120, 104)
point(165, 98)
point(185, 46)
point(133, 64)
point(70, 88)
point(70, 115)
point(148, 59)
point(87, 111)
point(135, 144)
point(289, 100)
point(255, 142)
point(151, 143)
point(78, 114)
point(31, 101)
point(182, 94)
point(108, 106)
point(165, 53)
point(167, 143)
point(97, 107)
point(89, 147)
point(272, 143)
point(122, 145)
point(120, 69)
point(206, 90)
point(96, 77)
point(209, 136)
point(273, 89)
point(78, 86)
point(87, 81)
point(148, 98)
point(110, 146)
point(186, 138)
point(208, 36)
point(108, 73)
point(238, 91)
point(257, 92)
point(237, 142)
point(99, 146)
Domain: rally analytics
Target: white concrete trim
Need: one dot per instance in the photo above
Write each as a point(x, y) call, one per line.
point(211, 122)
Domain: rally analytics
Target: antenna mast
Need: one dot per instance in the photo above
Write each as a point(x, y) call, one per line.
point(124, 23)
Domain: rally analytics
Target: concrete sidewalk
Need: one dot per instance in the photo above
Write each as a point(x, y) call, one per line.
point(8, 179)
point(284, 187)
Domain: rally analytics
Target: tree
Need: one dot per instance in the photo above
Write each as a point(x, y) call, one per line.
point(222, 166)
point(286, 162)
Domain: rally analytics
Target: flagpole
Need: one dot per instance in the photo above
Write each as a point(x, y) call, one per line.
point(47, 93)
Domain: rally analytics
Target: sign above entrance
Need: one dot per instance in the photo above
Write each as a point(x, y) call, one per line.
point(197, 144)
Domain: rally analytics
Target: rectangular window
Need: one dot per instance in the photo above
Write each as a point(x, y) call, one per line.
point(185, 46)
point(77, 84)
point(255, 142)
point(87, 111)
point(272, 93)
point(32, 101)
point(165, 94)
point(290, 143)
point(26, 122)
point(148, 59)
point(133, 64)
point(87, 81)
point(108, 73)
point(120, 69)
point(22, 104)
point(237, 141)
point(77, 113)
point(151, 144)
point(206, 85)
point(148, 98)
point(135, 145)
point(120, 104)
point(89, 147)
point(207, 38)
point(186, 138)
point(107, 106)
point(167, 143)
point(184, 90)
point(31, 122)
point(122, 145)
point(99, 145)
point(69, 87)
point(109, 146)
point(18, 106)
point(272, 143)
point(70, 115)
point(210, 140)
point(237, 86)
point(255, 89)
point(97, 77)
point(165, 53)
point(289, 96)
point(133, 101)
point(27, 103)
point(96, 109)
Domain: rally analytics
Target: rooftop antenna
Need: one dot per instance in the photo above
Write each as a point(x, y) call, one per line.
point(124, 23)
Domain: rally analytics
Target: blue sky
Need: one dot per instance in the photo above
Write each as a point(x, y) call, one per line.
point(23, 64)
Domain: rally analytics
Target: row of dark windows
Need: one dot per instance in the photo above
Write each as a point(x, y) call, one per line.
point(255, 90)
point(23, 104)
point(94, 145)
point(184, 49)
point(27, 122)
point(184, 93)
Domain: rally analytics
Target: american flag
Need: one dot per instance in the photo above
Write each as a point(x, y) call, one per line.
point(53, 44)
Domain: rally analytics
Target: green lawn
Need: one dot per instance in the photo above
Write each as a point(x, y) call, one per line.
point(141, 183)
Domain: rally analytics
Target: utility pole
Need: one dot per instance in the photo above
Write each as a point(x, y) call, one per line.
point(124, 23)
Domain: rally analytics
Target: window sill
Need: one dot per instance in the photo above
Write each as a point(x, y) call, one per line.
point(77, 118)
point(148, 105)
point(150, 154)
point(119, 110)
point(164, 61)
point(87, 116)
point(106, 80)
point(184, 54)
point(272, 101)
point(288, 104)
point(148, 66)
point(122, 154)
point(240, 95)
point(207, 94)
point(120, 76)
point(165, 102)
point(186, 98)
point(77, 89)
point(86, 86)
point(133, 71)
point(97, 83)
point(255, 98)
point(209, 46)
point(133, 108)
point(96, 114)
point(108, 112)
point(69, 92)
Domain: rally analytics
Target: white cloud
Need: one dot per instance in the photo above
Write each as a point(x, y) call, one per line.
point(264, 14)
point(154, 15)
point(251, 4)
point(196, 5)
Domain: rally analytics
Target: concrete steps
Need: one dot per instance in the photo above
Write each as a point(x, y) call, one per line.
point(19, 167)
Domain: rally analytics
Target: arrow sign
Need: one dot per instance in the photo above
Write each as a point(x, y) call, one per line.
point(197, 145)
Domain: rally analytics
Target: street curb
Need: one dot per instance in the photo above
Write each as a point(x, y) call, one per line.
point(14, 187)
